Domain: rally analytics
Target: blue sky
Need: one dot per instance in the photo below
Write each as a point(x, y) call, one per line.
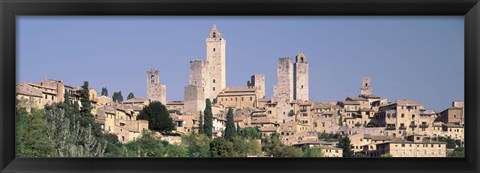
point(407, 57)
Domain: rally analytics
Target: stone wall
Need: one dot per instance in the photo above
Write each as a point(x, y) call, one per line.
point(194, 99)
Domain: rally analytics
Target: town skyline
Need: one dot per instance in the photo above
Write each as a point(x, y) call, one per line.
point(330, 90)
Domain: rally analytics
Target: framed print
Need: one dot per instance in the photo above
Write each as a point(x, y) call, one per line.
point(256, 86)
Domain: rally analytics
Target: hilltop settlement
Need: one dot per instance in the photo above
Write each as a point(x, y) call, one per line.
point(374, 126)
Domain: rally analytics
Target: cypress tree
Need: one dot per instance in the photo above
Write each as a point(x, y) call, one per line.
point(130, 96)
point(200, 124)
point(86, 108)
point(230, 127)
point(104, 91)
point(66, 98)
point(208, 123)
point(347, 147)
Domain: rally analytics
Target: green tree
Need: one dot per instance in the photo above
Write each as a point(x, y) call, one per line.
point(130, 96)
point(158, 117)
point(114, 147)
point(86, 109)
point(291, 151)
point(145, 146)
point(104, 91)
point(450, 143)
point(71, 141)
point(176, 151)
point(230, 127)
point(117, 97)
point(347, 147)
point(220, 147)
point(200, 123)
point(66, 98)
point(386, 155)
point(313, 152)
point(458, 152)
point(208, 121)
point(249, 133)
point(31, 140)
point(198, 145)
point(272, 145)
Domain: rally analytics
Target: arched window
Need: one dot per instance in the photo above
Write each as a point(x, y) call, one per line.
point(214, 49)
point(213, 80)
point(152, 78)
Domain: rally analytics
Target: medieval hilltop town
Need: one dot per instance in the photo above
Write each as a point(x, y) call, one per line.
point(375, 125)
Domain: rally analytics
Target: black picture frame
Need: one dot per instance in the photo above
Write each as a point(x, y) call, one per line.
point(9, 9)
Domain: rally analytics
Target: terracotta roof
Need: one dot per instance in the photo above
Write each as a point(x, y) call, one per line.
point(356, 99)
point(268, 129)
point(350, 102)
point(28, 91)
point(135, 100)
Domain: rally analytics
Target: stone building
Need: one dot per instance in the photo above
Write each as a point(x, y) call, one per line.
point(156, 91)
point(412, 146)
point(402, 117)
point(238, 97)
point(300, 76)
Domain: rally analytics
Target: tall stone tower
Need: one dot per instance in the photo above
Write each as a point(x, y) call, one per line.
point(283, 90)
point(258, 81)
point(155, 90)
point(301, 77)
point(195, 90)
point(366, 89)
point(216, 72)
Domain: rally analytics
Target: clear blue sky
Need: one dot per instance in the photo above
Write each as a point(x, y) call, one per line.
point(419, 58)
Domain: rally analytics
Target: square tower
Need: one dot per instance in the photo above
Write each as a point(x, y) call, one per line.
point(195, 90)
point(216, 72)
point(301, 78)
point(258, 81)
point(366, 89)
point(283, 90)
point(155, 90)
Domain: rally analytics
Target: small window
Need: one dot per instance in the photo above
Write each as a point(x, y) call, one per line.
point(214, 49)
point(213, 80)
point(213, 88)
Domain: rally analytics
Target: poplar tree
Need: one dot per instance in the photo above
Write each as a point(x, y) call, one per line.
point(208, 123)
point(230, 127)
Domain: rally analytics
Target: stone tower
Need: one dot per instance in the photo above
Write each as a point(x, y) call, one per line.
point(366, 89)
point(283, 90)
point(155, 90)
point(301, 78)
point(216, 72)
point(195, 90)
point(258, 81)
